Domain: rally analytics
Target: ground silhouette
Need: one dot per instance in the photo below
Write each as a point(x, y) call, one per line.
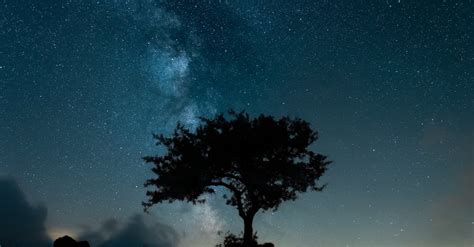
point(67, 241)
point(231, 240)
point(261, 162)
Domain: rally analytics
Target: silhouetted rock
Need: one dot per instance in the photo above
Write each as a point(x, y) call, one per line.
point(83, 244)
point(266, 245)
point(65, 241)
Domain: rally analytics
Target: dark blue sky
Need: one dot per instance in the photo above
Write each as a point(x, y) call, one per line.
point(388, 85)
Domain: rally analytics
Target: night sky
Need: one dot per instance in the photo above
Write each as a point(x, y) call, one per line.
point(388, 85)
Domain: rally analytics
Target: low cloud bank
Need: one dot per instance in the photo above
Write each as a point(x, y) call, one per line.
point(136, 231)
point(20, 221)
point(23, 224)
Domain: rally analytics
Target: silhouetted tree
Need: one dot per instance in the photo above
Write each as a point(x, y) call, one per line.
point(261, 162)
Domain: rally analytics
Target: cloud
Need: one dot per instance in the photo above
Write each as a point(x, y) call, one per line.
point(200, 225)
point(20, 222)
point(452, 216)
point(451, 213)
point(136, 231)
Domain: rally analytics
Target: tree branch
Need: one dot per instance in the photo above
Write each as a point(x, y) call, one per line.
point(237, 193)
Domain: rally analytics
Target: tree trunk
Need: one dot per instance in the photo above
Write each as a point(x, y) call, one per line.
point(248, 231)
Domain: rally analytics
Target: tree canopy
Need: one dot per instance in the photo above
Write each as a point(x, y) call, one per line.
point(261, 162)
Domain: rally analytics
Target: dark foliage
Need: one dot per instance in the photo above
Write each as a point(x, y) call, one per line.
point(231, 240)
point(261, 162)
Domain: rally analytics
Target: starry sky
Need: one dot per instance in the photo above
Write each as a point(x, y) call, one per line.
point(387, 84)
